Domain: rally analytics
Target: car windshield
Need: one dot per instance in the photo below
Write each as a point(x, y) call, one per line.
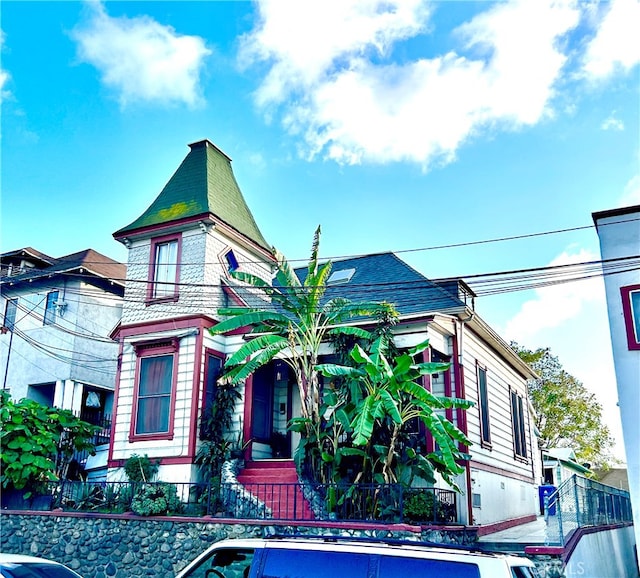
point(35, 570)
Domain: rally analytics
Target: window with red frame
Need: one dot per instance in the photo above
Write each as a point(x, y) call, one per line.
point(165, 253)
point(483, 396)
point(518, 425)
point(154, 389)
point(631, 310)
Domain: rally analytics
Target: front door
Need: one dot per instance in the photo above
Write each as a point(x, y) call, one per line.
point(262, 405)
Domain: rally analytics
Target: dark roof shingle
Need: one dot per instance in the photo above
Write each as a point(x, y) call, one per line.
point(203, 184)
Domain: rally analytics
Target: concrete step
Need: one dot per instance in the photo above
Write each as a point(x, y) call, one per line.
point(276, 485)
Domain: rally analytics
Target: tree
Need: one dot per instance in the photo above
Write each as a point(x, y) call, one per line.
point(295, 324)
point(38, 442)
point(567, 413)
point(380, 397)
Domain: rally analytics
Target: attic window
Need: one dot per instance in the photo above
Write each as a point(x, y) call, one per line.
point(343, 276)
point(232, 262)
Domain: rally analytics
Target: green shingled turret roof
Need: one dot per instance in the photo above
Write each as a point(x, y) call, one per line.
point(204, 184)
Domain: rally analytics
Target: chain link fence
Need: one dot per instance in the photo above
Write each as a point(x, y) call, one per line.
point(580, 502)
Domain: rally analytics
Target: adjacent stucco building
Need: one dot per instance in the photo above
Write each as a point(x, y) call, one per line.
point(619, 234)
point(58, 314)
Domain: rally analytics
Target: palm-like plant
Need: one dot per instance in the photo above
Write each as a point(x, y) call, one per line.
point(298, 320)
point(386, 395)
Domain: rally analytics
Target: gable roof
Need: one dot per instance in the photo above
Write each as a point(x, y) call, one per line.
point(386, 277)
point(89, 261)
point(203, 185)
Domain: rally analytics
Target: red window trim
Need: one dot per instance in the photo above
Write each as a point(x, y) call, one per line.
point(214, 353)
point(483, 443)
point(514, 394)
point(153, 349)
point(152, 269)
point(633, 340)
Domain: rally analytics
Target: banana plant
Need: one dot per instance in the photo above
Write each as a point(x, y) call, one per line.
point(386, 397)
point(293, 327)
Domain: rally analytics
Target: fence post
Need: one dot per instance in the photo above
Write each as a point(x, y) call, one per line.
point(577, 500)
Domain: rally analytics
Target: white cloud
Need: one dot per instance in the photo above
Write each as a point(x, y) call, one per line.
point(140, 59)
point(615, 45)
point(4, 75)
point(612, 123)
point(554, 305)
point(331, 88)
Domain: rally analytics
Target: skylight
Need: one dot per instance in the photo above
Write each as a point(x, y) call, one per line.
point(343, 276)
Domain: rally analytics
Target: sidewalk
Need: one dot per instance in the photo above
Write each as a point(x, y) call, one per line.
point(516, 538)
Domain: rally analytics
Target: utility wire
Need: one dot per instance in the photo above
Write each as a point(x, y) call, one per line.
point(411, 250)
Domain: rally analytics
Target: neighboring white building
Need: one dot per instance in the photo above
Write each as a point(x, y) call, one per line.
point(559, 464)
point(181, 250)
point(57, 316)
point(619, 233)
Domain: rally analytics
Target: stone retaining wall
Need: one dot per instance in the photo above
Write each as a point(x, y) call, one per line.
point(123, 546)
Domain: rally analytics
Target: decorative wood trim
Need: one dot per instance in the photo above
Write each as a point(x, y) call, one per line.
point(150, 351)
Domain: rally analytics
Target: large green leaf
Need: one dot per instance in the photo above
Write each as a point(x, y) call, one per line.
point(351, 331)
point(331, 369)
point(248, 319)
point(390, 406)
point(241, 372)
point(254, 345)
point(419, 348)
point(363, 422)
point(430, 367)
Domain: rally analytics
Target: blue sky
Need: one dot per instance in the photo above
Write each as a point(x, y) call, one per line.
point(396, 125)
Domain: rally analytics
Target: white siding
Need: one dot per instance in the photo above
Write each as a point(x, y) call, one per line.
point(500, 378)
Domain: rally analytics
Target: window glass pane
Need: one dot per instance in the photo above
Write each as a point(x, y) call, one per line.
point(154, 394)
point(484, 405)
point(35, 570)
point(50, 309)
point(397, 567)
point(155, 375)
point(523, 438)
point(224, 563)
point(214, 368)
point(232, 262)
point(313, 564)
point(153, 415)
point(10, 313)
point(635, 313)
point(165, 269)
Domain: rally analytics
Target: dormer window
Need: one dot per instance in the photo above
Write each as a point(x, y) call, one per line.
point(164, 268)
point(343, 276)
point(232, 261)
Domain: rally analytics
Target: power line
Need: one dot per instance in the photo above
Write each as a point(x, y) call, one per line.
point(398, 251)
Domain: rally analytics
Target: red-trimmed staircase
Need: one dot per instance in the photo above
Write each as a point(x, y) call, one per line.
point(275, 482)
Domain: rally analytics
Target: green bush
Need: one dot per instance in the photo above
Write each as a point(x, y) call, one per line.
point(38, 443)
point(140, 468)
point(156, 500)
point(418, 507)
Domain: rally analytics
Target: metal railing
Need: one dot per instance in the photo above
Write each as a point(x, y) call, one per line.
point(101, 437)
point(385, 503)
point(580, 502)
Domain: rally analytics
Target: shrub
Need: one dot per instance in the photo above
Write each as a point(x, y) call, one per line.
point(140, 468)
point(38, 443)
point(156, 500)
point(419, 507)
